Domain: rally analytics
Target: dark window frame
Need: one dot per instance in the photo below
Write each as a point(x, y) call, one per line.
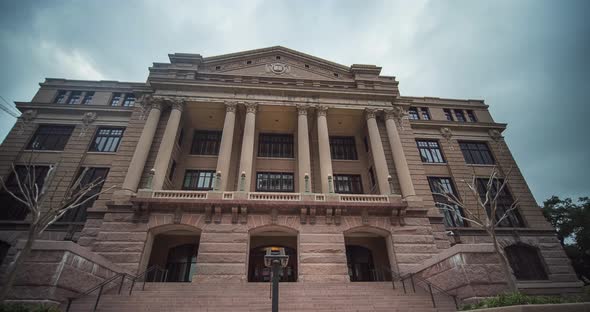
point(445, 185)
point(471, 116)
point(75, 98)
point(343, 148)
point(526, 262)
point(12, 209)
point(280, 182)
point(425, 113)
point(477, 153)
point(88, 96)
point(430, 151)
point(276, 145)
point(193, 178)
point(448, 114)
point(172, 170)
point(108, 141)
point(504, 201)
point(128, 100)
point(206, 142)
point(60, 97)
point(79, 214)
point(50, 137)
point(116, 99)
point(413, 113)
point(348, 184)
point(460, 115)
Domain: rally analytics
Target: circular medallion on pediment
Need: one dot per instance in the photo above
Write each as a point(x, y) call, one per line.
point(278, 68)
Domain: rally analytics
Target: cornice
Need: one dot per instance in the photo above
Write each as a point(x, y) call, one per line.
point(450, 103)
point(46, 107)
point(437, 124)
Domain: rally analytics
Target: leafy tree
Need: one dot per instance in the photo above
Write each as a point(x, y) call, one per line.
point(572, 223)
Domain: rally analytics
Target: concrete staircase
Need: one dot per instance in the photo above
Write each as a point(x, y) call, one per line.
point(179, 297)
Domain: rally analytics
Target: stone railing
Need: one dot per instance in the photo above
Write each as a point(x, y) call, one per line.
point(355, 198)
point(180, 194)
point(274, 196)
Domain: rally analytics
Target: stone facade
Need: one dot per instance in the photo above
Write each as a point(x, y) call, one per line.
point(277, 91)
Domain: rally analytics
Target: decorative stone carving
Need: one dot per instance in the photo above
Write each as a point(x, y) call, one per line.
point(365, 216)
point(25, 119)
point(217, 215)
point(495, 134)
point(230, 107)
point(177, 215)
point(177, 103)
point(370, 113)
point(329, 216)
point(251, 107)
point(278, 68)
point(208, 215)
point(243, 215)
point(397, 114)
point(322, 110)
point(312, 215)
point(234, 215)
point(274, 216)
point(302, 109)
point(447, 134)
point(303, 216)
point(87, 119)
point(337, 216)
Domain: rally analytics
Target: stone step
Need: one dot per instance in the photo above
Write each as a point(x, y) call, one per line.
point(255, 297)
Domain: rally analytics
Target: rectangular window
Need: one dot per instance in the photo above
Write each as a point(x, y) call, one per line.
point(453, 214)
point(180, 137)
point(12, 209)
point(274, 182)
point(372, 176)
point(366, 143)
point(129, 100)
point(413, 113)
point(172, 170)
point(430, 151)
point(116, 100)
point(206, 142)
point(107, 139)
point(61, 97)
point(198, 180)
point(343, 148)
point(425, 113)
point(348, 184)
point(448, 114)
point(460, 115)
point(88, 98)
point(50, 138)
point(92, 175)
point(471, 116)
point(477, 153)
point(275, 145)
point(503, 202)
point(75, 97)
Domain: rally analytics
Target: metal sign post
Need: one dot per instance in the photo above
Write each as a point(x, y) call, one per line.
point(276, 259)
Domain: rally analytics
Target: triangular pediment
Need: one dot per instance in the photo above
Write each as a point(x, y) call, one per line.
point(277, 62)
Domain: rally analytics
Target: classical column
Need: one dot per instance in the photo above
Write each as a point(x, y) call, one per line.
point(143, 147)
point(303, 158)
point(399, 158)
point(227, 138)
point(378, 154)
point(324, 147)
point(248, 145)
point(167, 145)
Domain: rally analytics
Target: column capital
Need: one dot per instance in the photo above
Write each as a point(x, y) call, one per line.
point(395, 113)
point(230, 107)
point(177, 103)
point(302, 109)
point(370, 113)
point(322, 110)
point(251, 107)
point(156, 103)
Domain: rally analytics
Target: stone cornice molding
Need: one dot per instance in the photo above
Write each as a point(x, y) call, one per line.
point(495, 134)
point(322, 110)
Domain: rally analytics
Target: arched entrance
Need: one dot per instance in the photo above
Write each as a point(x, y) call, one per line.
point(367, 255)
point(174, 249)
point(263, 239)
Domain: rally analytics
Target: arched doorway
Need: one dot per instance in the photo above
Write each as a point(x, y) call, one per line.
point(175, 249)
point(261, 241)
point(367, 255)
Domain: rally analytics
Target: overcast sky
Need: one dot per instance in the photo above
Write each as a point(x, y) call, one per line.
point(529, 60)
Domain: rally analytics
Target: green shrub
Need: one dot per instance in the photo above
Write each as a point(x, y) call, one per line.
point(19, 307)
point(518, 298)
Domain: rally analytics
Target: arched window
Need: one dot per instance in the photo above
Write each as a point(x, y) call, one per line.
point(526, 262)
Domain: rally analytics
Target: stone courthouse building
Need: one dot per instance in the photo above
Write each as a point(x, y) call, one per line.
point(213, 160)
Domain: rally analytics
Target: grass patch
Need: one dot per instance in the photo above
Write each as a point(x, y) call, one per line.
point(518, 298)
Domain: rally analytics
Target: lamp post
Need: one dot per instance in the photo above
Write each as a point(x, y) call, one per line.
point(276, 259)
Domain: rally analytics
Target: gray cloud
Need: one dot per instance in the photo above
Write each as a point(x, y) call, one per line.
point(527, 59)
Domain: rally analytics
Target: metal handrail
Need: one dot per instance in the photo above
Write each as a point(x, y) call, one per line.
point(123, 276)
point(396, 276)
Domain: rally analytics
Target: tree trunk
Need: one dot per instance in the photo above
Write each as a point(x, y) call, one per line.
point(17, 263)
point(504, 262)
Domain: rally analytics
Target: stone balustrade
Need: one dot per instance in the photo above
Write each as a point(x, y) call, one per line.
point(180, 194)
point(355, 198)
point(274, 196)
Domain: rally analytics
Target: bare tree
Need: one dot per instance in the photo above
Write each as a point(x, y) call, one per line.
point(485, 215)
point(31, 191)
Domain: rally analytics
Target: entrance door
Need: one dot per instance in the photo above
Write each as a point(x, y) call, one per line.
point(181, 263)
point(361, 267)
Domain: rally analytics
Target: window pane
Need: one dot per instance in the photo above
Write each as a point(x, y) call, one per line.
point(430, 151)
point(343, 148)
point(206, 142)
point(201, 180)
point(275, 145)
point(274, 182)
point(348, 184)
point(50, 137)
point(452, 214)
point(476, 153)
point(106, 140)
